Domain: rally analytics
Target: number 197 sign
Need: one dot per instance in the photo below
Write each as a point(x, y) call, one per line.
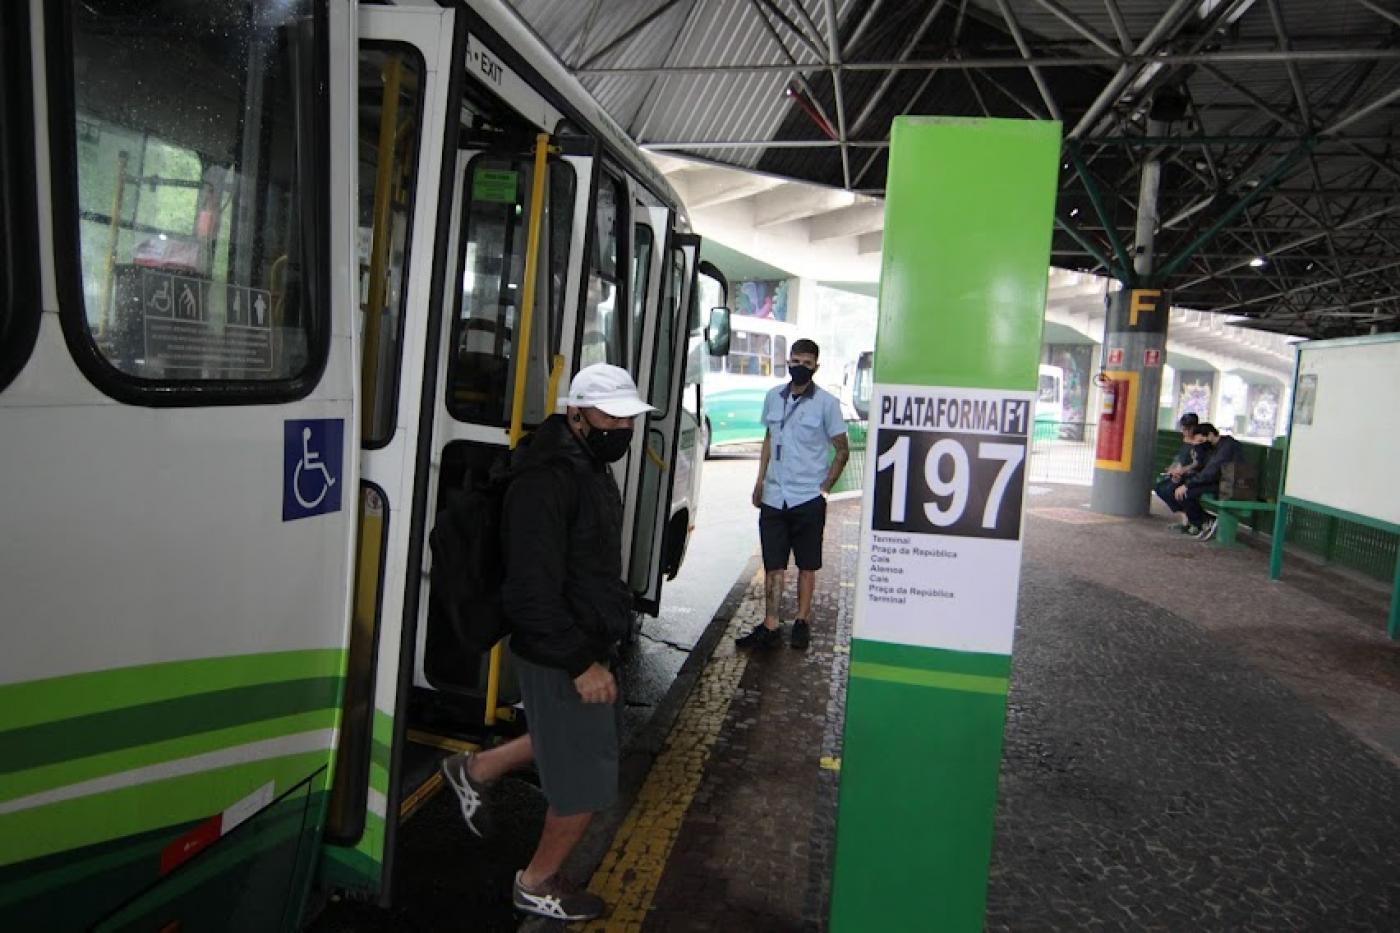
point(942, 551)
point(950, 462)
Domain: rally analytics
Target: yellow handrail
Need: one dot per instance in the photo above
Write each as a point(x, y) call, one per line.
point(379, 248)
point(522, 364)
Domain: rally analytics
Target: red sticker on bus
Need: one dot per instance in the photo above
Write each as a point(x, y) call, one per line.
point(190, 844)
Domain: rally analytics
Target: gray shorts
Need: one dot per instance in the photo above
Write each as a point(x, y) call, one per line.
point(575, 743)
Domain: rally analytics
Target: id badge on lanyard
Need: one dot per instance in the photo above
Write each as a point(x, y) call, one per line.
point(782, 425)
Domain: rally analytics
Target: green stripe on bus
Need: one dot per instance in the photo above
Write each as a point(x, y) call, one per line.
point(61, 774)
point(112, 858)
point(68, 824)
point(116, 729)
point(55, 698)
point(275, 827)
point(941, 680)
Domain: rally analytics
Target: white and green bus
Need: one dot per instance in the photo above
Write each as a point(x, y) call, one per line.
point(276, 276)
point(736, 384)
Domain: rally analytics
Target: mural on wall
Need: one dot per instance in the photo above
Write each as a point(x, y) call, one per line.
point(1076, 360)
point(1262, 414)
point(1194, 395)
point(762, 299)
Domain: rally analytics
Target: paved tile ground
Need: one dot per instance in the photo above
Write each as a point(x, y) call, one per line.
point(1170, 762)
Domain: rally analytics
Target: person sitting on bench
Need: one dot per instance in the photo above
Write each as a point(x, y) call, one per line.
point(1206, 482)
point(1189, 459)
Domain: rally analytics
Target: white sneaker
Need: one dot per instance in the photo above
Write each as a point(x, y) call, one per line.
point(469, 792)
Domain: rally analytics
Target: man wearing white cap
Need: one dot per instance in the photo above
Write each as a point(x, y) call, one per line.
point(568, 607)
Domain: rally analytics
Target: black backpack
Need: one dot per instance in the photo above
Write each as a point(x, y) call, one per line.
point(469, 563)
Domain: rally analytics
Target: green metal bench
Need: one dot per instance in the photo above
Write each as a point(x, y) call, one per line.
point(1228, 513)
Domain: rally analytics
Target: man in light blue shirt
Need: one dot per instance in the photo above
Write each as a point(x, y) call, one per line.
point(802, 422)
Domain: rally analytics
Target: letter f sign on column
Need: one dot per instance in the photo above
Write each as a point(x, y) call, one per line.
point(1142, 299)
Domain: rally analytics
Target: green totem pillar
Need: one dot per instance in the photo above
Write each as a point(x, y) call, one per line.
point(968, 215)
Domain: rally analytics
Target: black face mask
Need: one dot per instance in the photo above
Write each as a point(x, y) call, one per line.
point(608, 446)
point(801, 375)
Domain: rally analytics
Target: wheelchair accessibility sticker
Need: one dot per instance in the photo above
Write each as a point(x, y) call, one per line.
point(311, 467)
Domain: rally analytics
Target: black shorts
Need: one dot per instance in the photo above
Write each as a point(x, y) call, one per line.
point(796, 530)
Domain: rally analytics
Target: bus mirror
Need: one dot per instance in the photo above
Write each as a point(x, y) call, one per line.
point(717, 333)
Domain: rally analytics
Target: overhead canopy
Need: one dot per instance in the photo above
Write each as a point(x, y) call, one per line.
point(1275, 120)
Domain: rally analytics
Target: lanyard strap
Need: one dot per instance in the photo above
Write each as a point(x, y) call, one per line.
point(788, 410)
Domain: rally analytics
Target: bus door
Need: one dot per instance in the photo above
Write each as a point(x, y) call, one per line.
point(480, 361)
point(649, 470)
point(404, 63)
point(660, 467)
point(180, 464)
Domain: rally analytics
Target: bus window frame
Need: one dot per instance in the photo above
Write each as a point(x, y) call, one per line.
point(553, 327)
point(620, 177)
point(21, 303)
point(399, 46)
point(314, 211)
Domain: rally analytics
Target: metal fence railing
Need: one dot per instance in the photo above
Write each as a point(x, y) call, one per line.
point(1063, 452)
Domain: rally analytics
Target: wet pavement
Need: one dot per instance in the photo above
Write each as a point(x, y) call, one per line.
point(1160, 771)
point(1188, 747)
point(448, 879)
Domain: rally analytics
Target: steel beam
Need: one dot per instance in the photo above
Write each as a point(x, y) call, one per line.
point(904, 53)
point(631, 31)
point(1278, 171)
point(1125, 272)
point(833, 49)
point(1226, 57)
point(1025, 51)
point(1087, 244)
point(1294, 244)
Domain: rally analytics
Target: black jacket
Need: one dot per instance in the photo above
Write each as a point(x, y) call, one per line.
point(1228, 450)
point(562, 528)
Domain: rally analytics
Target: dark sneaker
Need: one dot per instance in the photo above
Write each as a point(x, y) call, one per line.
point(470, 794)
point(1208, 531)
point(557, 899)
point(1192, 530)
point(801, 634)
point(761, 637)
point(1177, 527)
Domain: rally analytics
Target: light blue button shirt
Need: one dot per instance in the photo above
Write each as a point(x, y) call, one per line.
point(800, 430)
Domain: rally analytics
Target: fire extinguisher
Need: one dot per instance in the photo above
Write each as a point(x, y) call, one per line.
point(1108, 395)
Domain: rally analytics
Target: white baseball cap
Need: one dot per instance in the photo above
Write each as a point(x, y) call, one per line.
point(609, 389)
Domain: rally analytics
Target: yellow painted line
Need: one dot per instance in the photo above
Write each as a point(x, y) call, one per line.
point(630, 873)
point(918, 677)
point(447, 743)
point(420, 796)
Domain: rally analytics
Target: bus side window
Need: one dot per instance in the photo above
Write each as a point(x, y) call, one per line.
point(641, 283)
point(602, 336)
point(660, 394)
point(481, 374)
point(197, 245)
point(780, 353)
point(20, 304)
point(389, 127)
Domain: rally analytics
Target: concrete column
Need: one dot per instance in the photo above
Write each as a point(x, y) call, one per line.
point(1135, 347)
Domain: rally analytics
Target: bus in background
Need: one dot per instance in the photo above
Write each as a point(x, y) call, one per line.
point(735, 385)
